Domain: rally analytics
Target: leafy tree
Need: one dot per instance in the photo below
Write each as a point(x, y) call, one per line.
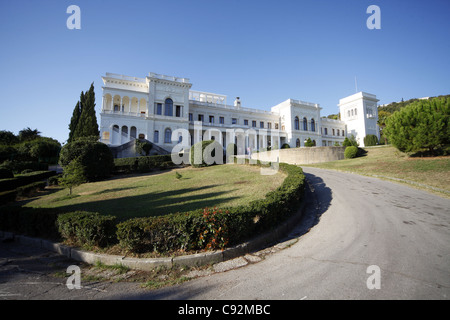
point(309, 143)
point(420, 125)
point(95, 157)
point(8, 138)
point(74, 120)
point(29, 134)
point(143, 147)
point(73, 175)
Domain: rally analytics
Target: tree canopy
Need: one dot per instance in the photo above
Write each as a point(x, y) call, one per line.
point(84, 121)
point(421, 125)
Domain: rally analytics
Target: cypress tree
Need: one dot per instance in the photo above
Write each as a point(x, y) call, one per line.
point(84, 121)
point(74, 121)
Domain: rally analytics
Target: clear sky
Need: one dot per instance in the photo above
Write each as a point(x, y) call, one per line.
point(262, 51)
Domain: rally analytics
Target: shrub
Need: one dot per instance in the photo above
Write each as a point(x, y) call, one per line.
point(95, 158)
point(370, 140)
point(285, 146)
point(208, 155)
point(89, 228)
point(6, 173)
point(350, 152)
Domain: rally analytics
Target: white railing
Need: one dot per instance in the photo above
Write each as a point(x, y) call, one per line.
point(123, 77)
point(169, 78)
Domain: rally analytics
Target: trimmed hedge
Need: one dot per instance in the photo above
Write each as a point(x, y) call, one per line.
point(25, 179)
point(214, 228)
point(33, 222)
point(350, 152)
point(142, 164)
point(202, 159)
point(89, 228)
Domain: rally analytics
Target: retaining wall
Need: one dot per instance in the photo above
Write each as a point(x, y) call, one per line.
point(304, 155)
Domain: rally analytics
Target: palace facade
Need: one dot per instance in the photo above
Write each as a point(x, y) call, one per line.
point(159, 108)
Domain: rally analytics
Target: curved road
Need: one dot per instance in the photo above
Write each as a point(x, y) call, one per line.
point(364, 222)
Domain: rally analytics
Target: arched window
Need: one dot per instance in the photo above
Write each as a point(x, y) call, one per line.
point(305, 124)
point(133, 133)
point(156, 136)
point(168, 107)
point(297, 124)
point(168, 136)
point(313, 125)
point(297, 143)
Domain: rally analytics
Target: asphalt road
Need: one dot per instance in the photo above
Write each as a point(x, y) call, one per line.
point(357, 232)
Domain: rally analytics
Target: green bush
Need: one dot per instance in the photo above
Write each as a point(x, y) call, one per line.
point(214, 228)
point(24, 179)
point(350, 152)
point(285, 146)
point(370, 140)
point(89, 228)
point(95, 158)
point(203, 159)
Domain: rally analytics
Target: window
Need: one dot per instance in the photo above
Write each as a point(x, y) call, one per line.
point(254, 124)
point(269, 125)
point(355, 112)
point(156, 136)
point(200, 117)
point(352, 112)
point(313, 125)
point(348, 112)
point(343, 133)
point(305, 124)
point(159, 108)
point(276, 126)
point(168, 107)
point(116, 108)
point(168, 136)
point(221, 120)
point(234, 121)
point(178, 111)
point(245, 122)
point(211, 119)
point(191, 117)
point(333, 132)
point(297, 143)
point(296, 124)
point(338, 132)
point(326, 131)
point(261, 124)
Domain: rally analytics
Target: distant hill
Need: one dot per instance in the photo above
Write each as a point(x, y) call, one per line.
point(395, 106)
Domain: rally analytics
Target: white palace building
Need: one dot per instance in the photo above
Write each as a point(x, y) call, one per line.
point(157, 106)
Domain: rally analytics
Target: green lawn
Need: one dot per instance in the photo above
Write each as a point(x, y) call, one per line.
point(162, 193)
point(386, 162)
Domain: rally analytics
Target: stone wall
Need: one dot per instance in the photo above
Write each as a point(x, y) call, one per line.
point(302, 155)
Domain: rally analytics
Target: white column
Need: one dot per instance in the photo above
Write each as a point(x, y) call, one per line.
point(129, 105)
point(139, 107)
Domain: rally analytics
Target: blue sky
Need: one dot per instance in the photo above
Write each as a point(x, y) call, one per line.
point(262, 51)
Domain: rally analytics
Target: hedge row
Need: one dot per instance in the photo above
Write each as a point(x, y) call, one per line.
point(33, 222)
point(142, 164)
point(25, 179)
point(213, 228)
point(11, 195)
point(89, 228)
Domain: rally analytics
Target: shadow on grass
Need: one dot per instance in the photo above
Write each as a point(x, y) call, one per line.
point(154, 203)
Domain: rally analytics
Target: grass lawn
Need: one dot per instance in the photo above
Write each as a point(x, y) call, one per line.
point(162, 193)
point(386, 162)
